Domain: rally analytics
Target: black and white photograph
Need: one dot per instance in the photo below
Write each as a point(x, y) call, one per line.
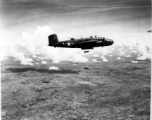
point(75, 59)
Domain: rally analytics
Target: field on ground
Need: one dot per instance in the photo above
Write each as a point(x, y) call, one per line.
point(84, 91)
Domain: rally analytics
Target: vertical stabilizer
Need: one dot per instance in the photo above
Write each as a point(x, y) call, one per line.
point(53, 39)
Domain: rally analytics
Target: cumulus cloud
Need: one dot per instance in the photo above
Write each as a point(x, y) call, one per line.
point(54, 68)
point(106, 51)
point(19, 56)
point(141, 58)
point(127, 55)
point(2, 56)
point(95, 55)
point(144, 49)
point(133, 51)
point(44, 62)
point(94, 60)
point(27, 62)
point(118, 58)
point(36, 46)
point(134, 61)
point(104, 59)
point(122, 53)
point(139, 44)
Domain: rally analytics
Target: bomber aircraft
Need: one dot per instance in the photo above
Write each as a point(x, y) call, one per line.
point(83, 43)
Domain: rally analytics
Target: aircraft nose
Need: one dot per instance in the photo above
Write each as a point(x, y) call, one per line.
point(110, 41)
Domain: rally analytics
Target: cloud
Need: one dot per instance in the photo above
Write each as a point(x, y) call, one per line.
point(20, 56)
point(2, 55)
point(127, 55)
point(44, 62)
point(134, 61)
point(94, 60)
point(144, 49)
point(95, 55)
point(104, 59)
point(54, 68)
point(27, 62)
point(122, 52)
point(141, 46)
point(133, 51)
point(106, 51)
point(36, 46)
point(118, 58)
point(141, 58)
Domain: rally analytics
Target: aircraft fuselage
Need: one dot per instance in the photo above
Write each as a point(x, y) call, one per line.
point(83, 43)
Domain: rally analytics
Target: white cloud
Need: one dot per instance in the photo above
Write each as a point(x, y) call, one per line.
point(134, 61)
point(141, 58)
point(100, 50)
point(118, 58)
point(127, 55)
point(144, 49)
point(122, 53)
point(36, 46)
point(104, 59)
point(20, 56)
point(106, 51)
point(26, 63)
point(133, 51)
point(54, 68)
point(138, 44)
point(2, 55)
point(95, 55)
point(44, 62)
point(94, 60)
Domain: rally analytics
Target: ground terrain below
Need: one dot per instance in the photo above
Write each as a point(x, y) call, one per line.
point(84, 91)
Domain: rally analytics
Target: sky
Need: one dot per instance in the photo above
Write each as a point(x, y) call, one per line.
point(118, 20)
point(76, 16)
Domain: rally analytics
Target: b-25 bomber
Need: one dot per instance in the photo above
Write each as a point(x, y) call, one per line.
point(83, 43)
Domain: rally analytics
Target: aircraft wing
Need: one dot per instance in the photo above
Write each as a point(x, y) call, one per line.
point(87, 44)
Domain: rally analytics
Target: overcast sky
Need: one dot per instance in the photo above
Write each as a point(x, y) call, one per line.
point(77, 17)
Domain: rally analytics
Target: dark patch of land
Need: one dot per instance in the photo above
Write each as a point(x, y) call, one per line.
point(20, 70)
point(109, 91)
